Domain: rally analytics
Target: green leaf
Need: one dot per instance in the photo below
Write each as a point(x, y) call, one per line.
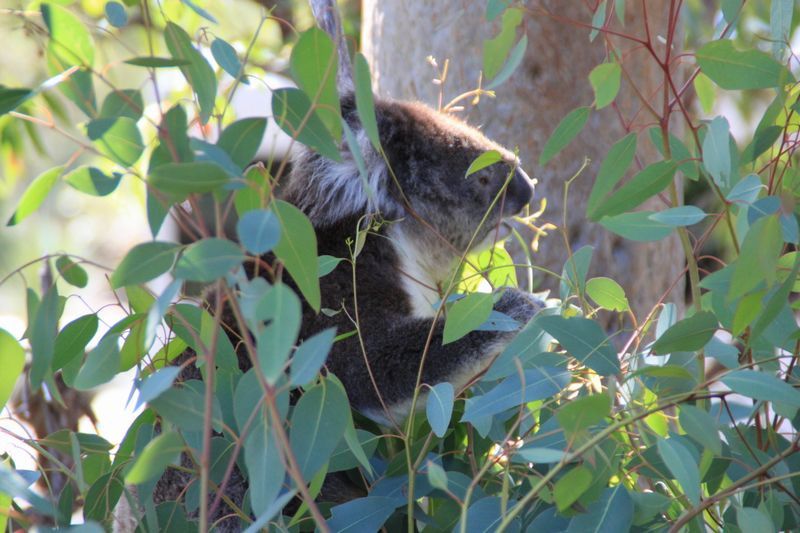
point(144, 262)
point(583, 413)
point(69, 41)
point(327, 264)
point(685, 215)
point(160, 452)
point(116, 14)
point(92, 180)
point(512, 63)
point(605, 80)
point(198, 72)
point(310, 356)
point(72, 272)
point(439, 407)
point(314, 64)
point(101, 365)
point(292, 110)
point(567, 129)
point(188, 178)
point(575, 271)
point(11, 98)
point(318, 423)
point(259, 231)
point(72, 340)
point(704, 88)
point(637, 226)
point(762, 386)
point(752, 519)
point(297, 249)
point(608, 294)
point(123, 103)
point(687, 335)
point(717, 153)
point(365, 102)
point(185, 407)
point(466, 314)
point(649, 182)
point(534, 384)
point(437, 477)
point(157, 62)
point(701, 427)
point(571, 486)
point(208, 259)
point(77, 85)
point(118, 139)
point(758, 258)
point(42, 336)
point(584, 340)
point(484, 160)
point(611, 171)
point(12, 361)
point(682, 466)
point(734, 70)
point(226, 57)
point(496, 50)
point(35, 194)
point(274, 342)
point(679, 152)
point(241, 140)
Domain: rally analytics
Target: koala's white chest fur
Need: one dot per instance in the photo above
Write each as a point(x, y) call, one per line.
point(424, 270)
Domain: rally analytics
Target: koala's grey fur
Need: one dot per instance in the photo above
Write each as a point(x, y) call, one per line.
point(431, 215)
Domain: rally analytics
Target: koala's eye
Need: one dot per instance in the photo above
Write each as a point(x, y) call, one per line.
point(483, 179)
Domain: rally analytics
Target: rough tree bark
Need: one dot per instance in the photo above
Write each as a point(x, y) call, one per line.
point(551, 81)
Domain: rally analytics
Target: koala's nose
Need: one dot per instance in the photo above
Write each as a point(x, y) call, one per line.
point(519, 192)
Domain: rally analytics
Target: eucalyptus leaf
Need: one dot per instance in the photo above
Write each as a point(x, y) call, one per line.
point(439, 407)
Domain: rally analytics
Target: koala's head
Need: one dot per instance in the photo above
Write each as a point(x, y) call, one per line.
point(428, 155)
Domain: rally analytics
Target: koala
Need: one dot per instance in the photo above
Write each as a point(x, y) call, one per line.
point(421, 214)
point(433, 214)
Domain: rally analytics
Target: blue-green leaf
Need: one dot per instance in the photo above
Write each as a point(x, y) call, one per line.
point(585, 340)
point(259, 231)
point(318, 423)
point(310, 356)
point(116, 14)
point(682, 466)
point(208, 259)
point(102, 364)
point(226, 57)
point(762, 386)
point(439, 407)
point(685, 215)
point(637, 226)
point(362, 514)
point(534, 384)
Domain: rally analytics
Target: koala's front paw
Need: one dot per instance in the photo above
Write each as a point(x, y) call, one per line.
point(519, 305)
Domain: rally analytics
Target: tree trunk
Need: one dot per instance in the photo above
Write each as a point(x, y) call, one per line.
point(398, 36)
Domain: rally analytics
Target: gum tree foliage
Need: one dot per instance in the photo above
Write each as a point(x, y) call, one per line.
point(563, 432)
